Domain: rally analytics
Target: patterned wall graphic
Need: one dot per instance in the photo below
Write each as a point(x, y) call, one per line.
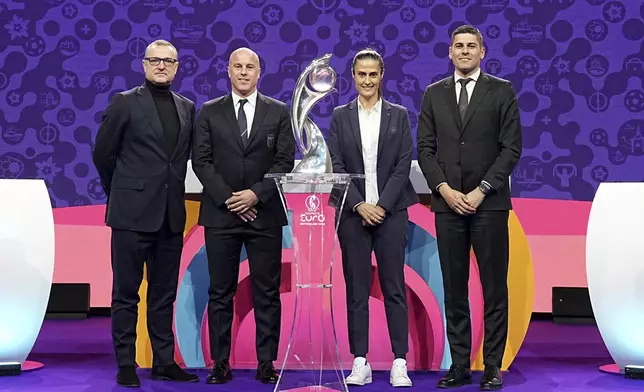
point(577, 67)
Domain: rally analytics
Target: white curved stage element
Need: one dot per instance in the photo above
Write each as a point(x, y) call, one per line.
point(615, 269)
point(26, 265)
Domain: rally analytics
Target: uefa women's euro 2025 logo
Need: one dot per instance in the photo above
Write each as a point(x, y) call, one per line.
point(314, 215)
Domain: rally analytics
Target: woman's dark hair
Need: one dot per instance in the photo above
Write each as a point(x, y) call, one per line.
point(369, 54)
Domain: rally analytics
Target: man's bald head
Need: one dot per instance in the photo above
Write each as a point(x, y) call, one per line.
point(243, 71)
point(243, 53)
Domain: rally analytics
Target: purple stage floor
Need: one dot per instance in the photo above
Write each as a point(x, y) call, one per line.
point(78, 357)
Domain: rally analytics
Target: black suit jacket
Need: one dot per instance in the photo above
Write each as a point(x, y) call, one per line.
point(485, 147)
point(224, 166)
point(138, 176)
point(395, 146)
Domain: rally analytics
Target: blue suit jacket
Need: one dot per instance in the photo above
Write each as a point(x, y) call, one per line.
point(395, 148)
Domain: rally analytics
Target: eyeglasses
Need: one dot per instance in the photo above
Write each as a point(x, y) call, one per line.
point(155, 61)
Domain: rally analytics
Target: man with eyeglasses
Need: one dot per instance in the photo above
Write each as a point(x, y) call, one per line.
point(141, 155)
point(238, 138)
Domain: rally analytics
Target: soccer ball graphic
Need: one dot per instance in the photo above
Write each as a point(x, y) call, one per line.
point(10, 167)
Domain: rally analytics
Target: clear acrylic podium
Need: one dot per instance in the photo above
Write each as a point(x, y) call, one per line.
point(312, 360)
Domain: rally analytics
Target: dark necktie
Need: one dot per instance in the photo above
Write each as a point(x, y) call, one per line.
point(243, 123)
point(462, 98)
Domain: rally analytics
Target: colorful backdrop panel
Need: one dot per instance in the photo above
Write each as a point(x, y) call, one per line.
point(557, 249)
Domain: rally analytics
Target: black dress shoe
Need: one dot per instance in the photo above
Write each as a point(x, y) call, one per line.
point(127, 377)
point(457, 376)
point(172, 372)
point(266, 373)
point(220, 373)
point(492, 379)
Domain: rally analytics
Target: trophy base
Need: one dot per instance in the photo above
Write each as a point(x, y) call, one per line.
point(314, 165)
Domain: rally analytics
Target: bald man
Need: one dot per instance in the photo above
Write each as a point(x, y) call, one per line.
point(238, 138)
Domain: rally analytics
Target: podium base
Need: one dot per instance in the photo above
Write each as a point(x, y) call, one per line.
point(311, 381)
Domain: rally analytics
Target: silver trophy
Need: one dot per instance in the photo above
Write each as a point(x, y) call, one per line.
point(315, 153)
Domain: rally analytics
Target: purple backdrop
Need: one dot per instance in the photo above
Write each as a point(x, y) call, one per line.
point(577, 67)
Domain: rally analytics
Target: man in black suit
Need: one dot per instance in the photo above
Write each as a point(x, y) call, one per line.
point(469, 141)
point(371, 136)
point(238, 139)
point(141, 155)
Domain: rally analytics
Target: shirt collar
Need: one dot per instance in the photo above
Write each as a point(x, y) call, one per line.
point(375, 109)
point(252, 99)
point(474, 76)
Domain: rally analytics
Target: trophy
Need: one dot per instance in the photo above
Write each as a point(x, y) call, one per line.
point(313, 196)
point(309, 138)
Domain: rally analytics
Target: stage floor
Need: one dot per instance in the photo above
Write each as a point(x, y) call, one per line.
point(78, 357)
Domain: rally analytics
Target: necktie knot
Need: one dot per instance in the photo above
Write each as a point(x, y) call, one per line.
point(464, 82)
point(242, 102)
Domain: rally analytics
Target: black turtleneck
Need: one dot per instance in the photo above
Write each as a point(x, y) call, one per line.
point(167, 113)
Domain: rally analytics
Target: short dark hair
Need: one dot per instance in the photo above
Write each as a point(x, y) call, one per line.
point(468, 29)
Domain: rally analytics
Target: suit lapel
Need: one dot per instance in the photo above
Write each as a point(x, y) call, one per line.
point(182, 121)
point(450, 97)
point(261, 107)
point(480, 89)
point(385, 117)
point(355, 123)
point(229, 114)
point(149, 108)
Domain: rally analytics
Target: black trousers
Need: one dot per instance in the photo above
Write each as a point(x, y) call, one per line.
point(264, 249)
point(388, 241)
point(487, 233)
point(161, 251)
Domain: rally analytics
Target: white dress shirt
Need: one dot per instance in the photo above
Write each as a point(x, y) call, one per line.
point(369, 121)
point(249, 108)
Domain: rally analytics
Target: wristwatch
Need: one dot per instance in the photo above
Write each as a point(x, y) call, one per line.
point(485, 187)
